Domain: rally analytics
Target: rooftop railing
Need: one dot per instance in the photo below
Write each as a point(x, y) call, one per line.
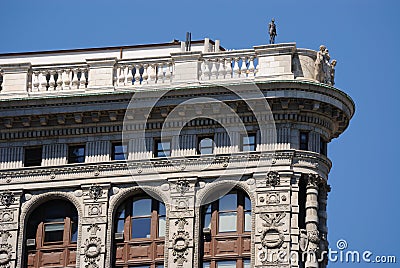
point(280, 61)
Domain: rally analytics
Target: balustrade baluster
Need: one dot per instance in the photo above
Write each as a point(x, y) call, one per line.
point(35, 82)
point(207, 71)
point(228, 67)
point(213, 69)
point(152, 73)
point(145, 75)
point(82, 81)
point(121, 76)
point(168, 72)
point(66, 79)
point(137, 74)
point(236, 69)
point(243, 68)
point(59, 81)
point(251, 67)
point(75, 80)
point(129, 75)
point(52, 82)
point(43, 81)
point(160, 73)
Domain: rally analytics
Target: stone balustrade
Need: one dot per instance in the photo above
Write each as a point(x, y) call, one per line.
point(107, 73)
point(228, 65)
point(58, 78)
point(144, 72)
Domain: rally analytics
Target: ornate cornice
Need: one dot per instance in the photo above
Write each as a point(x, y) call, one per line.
point(172, 165)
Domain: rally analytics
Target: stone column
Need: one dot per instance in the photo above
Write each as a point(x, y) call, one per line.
point(180, 244)
point(9, 211)
point(101, 74)
point(312, 220)
point(322, 200)
point(15, 79)
point(94, 225)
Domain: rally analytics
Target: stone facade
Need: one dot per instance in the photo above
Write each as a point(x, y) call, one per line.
point(141, 96)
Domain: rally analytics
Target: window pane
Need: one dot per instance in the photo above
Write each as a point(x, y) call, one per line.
point(206, 150)
point(246, 263)
point(53, 232)
point(248, 148)
point(141, 207)
point(119, 152)
point(207, 221)
point(161, 209)
point(206, 142)
point(74, 232)
point(162, 223)
point(120, 226)
point(227, 222)
point(141, 228)
point(247, 203)
point(247, 222)
point(206, 264)
point(228, 202)
point(226, 264)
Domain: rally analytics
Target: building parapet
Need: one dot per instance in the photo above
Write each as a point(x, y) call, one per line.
point(172, 67)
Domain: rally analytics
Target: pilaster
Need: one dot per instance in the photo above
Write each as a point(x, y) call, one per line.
point(94, 225)
point(9, 227)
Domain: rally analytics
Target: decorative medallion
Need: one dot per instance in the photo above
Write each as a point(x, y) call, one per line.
point(96, 171)
point(273, 179)
point(92, 247)
point(5, 255)
point(94, 210)
point(6, 216)
point(95, 192)
point(182, 186)
point(180, 242)
point(272, 235)
point(7, 198)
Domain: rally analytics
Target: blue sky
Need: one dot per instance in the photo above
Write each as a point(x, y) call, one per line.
point(362, 35)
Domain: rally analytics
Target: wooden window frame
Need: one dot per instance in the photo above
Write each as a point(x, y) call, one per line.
point(153, 240)
point(215, 237)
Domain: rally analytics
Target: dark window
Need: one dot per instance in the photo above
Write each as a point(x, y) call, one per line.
point(323, 146)
point(249, 143)
point(118, 151)
point(303, 140)
point(76, 154)
point(226, 221)
point(162, 148)
point(302, 202)
point(54, 228)
point(140, 222)
point(205, 145)
point(33, 157)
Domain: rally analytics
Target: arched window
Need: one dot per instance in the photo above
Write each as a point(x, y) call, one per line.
point(51, 235)
point(139, 233)
point(226, 232)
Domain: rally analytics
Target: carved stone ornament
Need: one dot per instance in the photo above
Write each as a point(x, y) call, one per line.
point(313, 180)
point(324, 68)
point(95, 192)
point(180, 242)
point(303, 241)
point(92, 251)
point(5, 255)
point(7, 198)
point(182, 186)
point(313, 236)
point(272, 236)
point(273, 179)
